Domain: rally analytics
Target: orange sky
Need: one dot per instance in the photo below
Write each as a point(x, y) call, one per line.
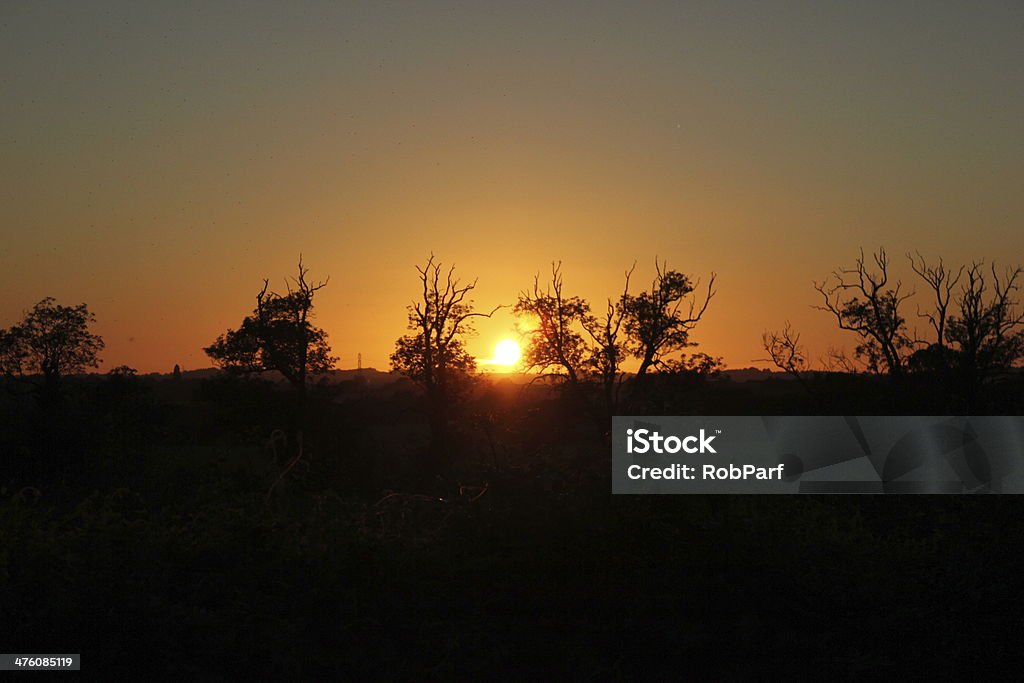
point(157, 160)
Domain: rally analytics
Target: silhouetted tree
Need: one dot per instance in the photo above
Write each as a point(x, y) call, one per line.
point(609, 348)
point(977, 327)
point(786, 353)
point(837, 360)
point(13, 354)
point(936, 356)
point(410, 358)
point(434, 354)
point(278, 335)
point(555, 345)
point(658, 323)
point(861, 302)
point(121, 383)
point(699, 366)
point(51, 341)
point(986, 332)
point(941, 281)
point(651, 326)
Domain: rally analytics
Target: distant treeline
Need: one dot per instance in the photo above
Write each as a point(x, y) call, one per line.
point(973, 316)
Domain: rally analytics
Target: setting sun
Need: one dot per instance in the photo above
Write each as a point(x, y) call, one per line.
point(506, 353)
point(434, 327)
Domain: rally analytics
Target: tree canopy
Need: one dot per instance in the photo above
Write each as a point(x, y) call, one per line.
point(51, 340)
point(278, 336)
point(433, 353)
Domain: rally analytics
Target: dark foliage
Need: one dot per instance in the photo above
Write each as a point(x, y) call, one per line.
point(50, 342)
point(278, 336)
point(433, 354)
point(157, 552)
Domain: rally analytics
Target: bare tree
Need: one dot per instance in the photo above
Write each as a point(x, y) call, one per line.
point(837, 360)
point(659, 321)
point(609, 348)
point(786, 353)
point(434, 354)
point(941, 281)
point(987, 330)
point(862, 301)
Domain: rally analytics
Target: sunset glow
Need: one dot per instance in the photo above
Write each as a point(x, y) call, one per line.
point(159, 175)
point(506, 353)
point(504, 357)
point(520, 340)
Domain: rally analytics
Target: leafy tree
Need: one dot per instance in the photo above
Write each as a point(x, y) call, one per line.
point(434, 354)
point(659, 321)
point(425, 366)
point(278, 336)
point(13, 352)
point(51, 341)
point(697, 365)
point(567, 340)
point(555, 345)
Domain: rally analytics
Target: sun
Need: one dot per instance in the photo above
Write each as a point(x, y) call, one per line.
point(506, 353)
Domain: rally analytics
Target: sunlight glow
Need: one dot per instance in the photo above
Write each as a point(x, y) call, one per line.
point(506, 353)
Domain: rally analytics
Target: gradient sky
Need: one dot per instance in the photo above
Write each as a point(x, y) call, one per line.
point(158, 159)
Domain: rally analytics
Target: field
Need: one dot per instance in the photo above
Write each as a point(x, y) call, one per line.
point(163, 528)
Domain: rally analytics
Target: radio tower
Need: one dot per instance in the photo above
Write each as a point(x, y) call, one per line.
point(359, 362)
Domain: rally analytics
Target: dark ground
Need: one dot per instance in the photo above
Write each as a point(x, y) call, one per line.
point(136, 529)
